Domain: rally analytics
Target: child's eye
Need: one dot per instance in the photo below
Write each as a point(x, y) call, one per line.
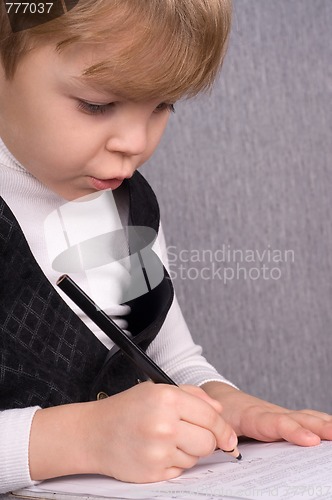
point(93, 109)
point(164, 106)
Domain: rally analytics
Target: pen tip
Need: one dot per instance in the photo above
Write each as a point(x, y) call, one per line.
point(234, 453)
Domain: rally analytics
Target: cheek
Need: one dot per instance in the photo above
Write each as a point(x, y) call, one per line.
point(66, 134)
point(57, 121)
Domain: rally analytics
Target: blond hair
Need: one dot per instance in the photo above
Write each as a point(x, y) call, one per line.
point(168, 48)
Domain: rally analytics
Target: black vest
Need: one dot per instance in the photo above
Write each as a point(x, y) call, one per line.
point(48, 356)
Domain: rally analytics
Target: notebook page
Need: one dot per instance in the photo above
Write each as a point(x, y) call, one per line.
point(267, 470)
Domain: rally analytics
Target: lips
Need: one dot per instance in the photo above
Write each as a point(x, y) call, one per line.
point(102, 184)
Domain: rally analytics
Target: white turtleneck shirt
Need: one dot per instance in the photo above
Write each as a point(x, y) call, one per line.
point(50, 227)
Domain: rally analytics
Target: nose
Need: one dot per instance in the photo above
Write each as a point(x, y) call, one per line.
point(129, 139)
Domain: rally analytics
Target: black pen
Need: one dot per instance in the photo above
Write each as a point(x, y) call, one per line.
point(120, 339)
point(113, 331)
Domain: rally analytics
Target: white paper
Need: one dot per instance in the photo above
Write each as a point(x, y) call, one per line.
point(267, 470)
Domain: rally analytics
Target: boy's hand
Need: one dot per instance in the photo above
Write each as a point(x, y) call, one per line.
point(151, 432)
point(258, 419)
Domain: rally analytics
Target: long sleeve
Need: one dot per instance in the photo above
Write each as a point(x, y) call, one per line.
point(15, 428)
point(174, 349)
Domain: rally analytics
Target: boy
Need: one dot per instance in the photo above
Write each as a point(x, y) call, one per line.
point(84, 101)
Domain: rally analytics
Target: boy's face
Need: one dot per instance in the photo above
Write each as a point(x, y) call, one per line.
point(72, 147)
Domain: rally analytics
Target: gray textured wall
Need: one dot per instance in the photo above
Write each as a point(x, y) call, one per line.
point(249, 168)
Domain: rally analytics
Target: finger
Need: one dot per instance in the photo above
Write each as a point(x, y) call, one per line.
point(324, 416)
point(164, 474)
point(199, 393)
point(200, 413)
point(171, 473)
point(178, 462)
point(195, 441)
point(314, 423)
point(291, 430)
point(184, 460)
